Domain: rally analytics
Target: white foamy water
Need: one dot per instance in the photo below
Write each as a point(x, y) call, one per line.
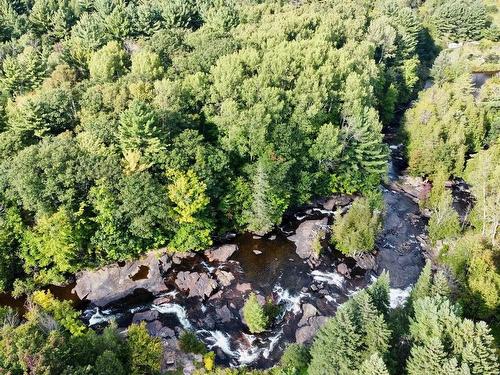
point(247, 356)
point(220, 340)
point(330, 299)
point(300, 217)
point(177, 310)
point(323, 211)
point(99, 317)
point(272, 343)
point(209, 268)
point(398, 297)
point(291, 302)
point(333, 278)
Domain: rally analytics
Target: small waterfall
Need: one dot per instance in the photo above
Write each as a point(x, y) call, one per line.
point(99, 317)
point(323, 211)
point(220, 340)
point(398, 297)
point(247, 356)
point(332, 278)
point(291, 302)
point(175, 309)
point(272, 343)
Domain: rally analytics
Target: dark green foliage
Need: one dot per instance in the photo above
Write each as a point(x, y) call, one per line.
point(189, 343)
point(164, 123)
point(38, 345)
point(444, 342)
point(460, 20)
point(356, 231)
point(357, 331)
point(450, 133)
point(11, 234)
point(295, 359)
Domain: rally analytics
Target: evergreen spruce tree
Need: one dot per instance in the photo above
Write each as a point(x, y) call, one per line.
point(138, 132)
point(336, 348)
point(427, 359)
point(480, 353)
point(357, 331)
point(379, 293)
point(371, 326)
point(254, 314)
point(423, 285)
point(440, 286)
point(373, 365)
point(365, 151)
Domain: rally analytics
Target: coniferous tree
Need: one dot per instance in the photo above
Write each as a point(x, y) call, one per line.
point(254, 314)
point(139, 132)
point(379, 292)
point(357, 331)
point(373, 365)
point(423, 285)
point(461, 20)
point(427, 359)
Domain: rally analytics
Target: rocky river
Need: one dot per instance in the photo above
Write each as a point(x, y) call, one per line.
point(205, 292)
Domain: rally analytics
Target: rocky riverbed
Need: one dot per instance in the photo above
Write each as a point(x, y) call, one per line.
point(205, 292)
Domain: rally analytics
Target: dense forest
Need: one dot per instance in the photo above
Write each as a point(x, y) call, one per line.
point(127, 126)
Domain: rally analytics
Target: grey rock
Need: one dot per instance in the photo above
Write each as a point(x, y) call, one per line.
point(306, 333)
point(308, 311)
point(166, 332)
point(209, 322)
point(224, 277)
point(244, 287)
point(147, 316)
point(198, 284)
point(365, 261)
point(113, 282)
point(154, 328)
point(224, 315)
point(337, 201)
point(177, 258)
point(344, 270)
point(306, 234)
point(222, 253)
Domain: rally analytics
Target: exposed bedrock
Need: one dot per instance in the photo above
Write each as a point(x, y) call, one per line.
point(114, 282)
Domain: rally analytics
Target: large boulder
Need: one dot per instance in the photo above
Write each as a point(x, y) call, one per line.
point(223, 314)
point(147, 316)
point(221, 253)
point(225, 278)
point(306, 333)
point(366, 261)
point(117, 281)
point(174, 358)
point(308, 311)
point(198, 284)
point(337, 201)
point(344, 270)
point(305, 236)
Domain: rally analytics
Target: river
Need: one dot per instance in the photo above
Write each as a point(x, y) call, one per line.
point(271, 267)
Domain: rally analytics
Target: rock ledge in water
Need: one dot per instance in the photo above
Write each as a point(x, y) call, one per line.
point(198, 284)
point(222, 253)
point(306, 234)
point(113, 282)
